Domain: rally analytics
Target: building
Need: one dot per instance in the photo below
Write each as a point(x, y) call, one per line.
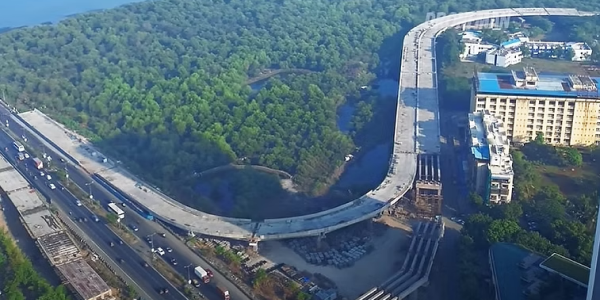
point(503, 57)
point(564, 108)
point(593, 291)
point(581, 51)
point(491, 163)
point(474, 45)
point(511, 44)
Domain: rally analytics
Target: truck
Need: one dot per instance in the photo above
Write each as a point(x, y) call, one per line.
point(38, 163)
point(223, 291)
point(200, 272)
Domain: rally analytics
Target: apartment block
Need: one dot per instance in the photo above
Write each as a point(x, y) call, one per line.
point(565, 108)
point(490, 163)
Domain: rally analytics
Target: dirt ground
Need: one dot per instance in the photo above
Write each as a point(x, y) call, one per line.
point(370, 271)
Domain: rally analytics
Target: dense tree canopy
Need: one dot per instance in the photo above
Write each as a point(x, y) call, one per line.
point(18, 278)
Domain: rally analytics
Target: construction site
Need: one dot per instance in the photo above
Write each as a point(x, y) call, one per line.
point(427, 192)
point(57, 246)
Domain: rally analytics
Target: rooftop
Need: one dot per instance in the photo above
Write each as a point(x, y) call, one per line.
point(26, 201)
point(510, 43)
point(489, 142)
point(59, 248)
point(567, 268)
point(11, 180)
point(83, 279)
point(505, 261)
point(41, 223)
point(526, 83)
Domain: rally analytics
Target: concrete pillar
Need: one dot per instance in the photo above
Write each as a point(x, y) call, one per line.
point(320, 240)
point(253, 245)
point(464, 26)
point(492, 22)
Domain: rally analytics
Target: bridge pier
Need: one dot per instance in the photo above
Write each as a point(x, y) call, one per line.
point(320, 239)
point(253, 245)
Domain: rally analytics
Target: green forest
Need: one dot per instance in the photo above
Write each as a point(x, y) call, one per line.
point(162, 85)
point(18, 278)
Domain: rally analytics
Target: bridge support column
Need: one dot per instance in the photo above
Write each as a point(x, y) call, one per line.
point(464, 26)
point(253, 245)
point(492, 21)
point(320, 239)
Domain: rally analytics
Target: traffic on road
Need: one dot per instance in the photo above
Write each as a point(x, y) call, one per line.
point(155, 241)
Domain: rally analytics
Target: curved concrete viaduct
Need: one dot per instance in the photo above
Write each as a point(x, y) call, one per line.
point(416, 132)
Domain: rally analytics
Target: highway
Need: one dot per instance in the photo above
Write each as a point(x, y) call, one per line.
point(147, 279)
point(182, 254)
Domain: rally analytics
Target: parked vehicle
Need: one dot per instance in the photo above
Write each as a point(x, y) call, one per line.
point(223, 291)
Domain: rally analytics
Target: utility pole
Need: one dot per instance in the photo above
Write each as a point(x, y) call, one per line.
point(188, 270)
point(89, 184)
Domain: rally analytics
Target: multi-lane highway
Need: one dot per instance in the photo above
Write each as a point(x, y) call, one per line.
point(103, 235)
point(147, 279)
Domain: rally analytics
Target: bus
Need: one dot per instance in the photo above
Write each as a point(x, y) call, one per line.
point(18, 146)
point(115, 209)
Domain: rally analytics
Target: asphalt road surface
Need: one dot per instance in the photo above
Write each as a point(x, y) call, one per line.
point(147, 279)
point(181, 253)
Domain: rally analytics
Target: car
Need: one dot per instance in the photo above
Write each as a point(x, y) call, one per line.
point(163, 234)
point(210, 273)
point(95, 218)
point(173, 261)
point(79, 220)
point(146, 265)
point(26, 155)
point(48, 177)
point(120, 242)
point(169, 249)
point(160, 251)
point(62, 160)
point(134, 228)
point(112, 244)
point(121, 260)
point(85, 219)
point(42, 173)
point(78, 203)
point(123, 204)
point(52, 186)
point(195, 282)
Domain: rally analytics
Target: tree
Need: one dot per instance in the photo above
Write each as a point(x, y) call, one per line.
point(569, 54)
point(539, 138)
point(475, 199)
point(502, 231)
point(525, 50)
point(573, 157)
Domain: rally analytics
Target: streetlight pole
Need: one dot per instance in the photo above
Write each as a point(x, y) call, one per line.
point(188, 270)
point(89, 184)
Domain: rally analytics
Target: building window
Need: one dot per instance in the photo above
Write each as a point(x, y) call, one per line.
point(532, 102)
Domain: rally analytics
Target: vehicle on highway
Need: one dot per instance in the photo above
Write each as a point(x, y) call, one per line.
point(42, 173)
point(85, 219)
point(120, 242)
point(48, 177)
point(163, 234)
point(24, 138)
point(123, 204)
point(160, 251)
point(169, 249)
point(18, 146)
point(121, 260)
point(78, 203)
point(163, 291)
point(62, 160)
point(223, 291)
point(195, 282)
point(146, 265)
point(26, 155)
point(95, 218)
point(116, 210)
point(38, 163)
point(210, 273)
point(202, 274)
point(52, 186)
point(112, 244)
point(133, 227)
point(173, 261)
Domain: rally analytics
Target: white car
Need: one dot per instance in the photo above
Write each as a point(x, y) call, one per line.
point(42, 174)
point(26, 155)
point(78, 203)
point(48, 177)
point(52, 186)
point(160, 251)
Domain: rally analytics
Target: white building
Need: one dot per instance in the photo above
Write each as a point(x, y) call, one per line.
point(491, 163)
point(503, 57)
point(582, 51)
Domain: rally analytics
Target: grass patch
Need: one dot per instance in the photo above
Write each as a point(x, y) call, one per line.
point(572, 181)
point(567, 267)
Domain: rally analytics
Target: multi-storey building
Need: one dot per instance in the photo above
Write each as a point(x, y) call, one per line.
point(491, 164)
point(564, 108)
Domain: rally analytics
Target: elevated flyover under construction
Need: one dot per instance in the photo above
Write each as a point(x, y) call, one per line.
point(416, 133)
point(418, 76)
